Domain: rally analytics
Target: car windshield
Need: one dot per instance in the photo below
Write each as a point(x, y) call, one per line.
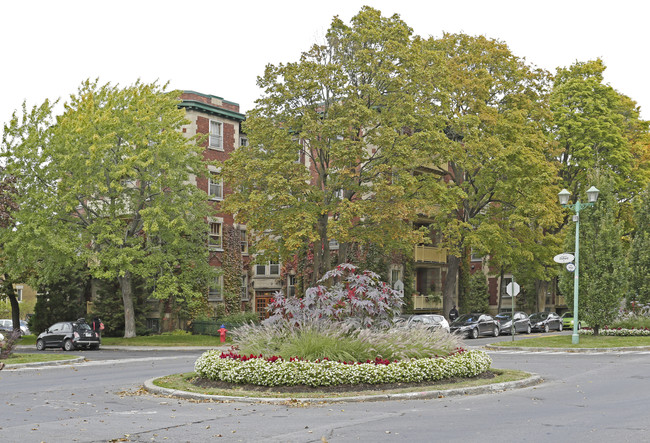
point(82, 326)
point(539, 316)
point(466, 318)
point(503, 317)
point(567, 315)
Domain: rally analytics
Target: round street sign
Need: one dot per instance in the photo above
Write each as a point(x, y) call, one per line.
point(570, 267)
point(563, 258)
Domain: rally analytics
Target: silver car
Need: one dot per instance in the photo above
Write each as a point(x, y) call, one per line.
point(8, 325)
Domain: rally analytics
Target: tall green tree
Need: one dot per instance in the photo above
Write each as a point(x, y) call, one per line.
point(639, 258)
point(596, 127)
point(603, 278)
point(108, 183)
point(493, 110)
point(331, 146)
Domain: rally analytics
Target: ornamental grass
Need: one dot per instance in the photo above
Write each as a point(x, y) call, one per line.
point(341, 341)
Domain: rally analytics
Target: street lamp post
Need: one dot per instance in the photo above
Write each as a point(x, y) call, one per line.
point(592, 196)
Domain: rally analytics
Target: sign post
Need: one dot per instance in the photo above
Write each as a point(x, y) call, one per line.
point(512, 289)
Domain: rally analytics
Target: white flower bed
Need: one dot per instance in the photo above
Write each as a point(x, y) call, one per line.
point(259, 371)
point(619, 332)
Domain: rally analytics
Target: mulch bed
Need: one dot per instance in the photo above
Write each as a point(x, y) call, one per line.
point(206, 383)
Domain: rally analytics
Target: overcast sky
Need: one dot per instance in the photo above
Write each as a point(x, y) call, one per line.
point(218, 47)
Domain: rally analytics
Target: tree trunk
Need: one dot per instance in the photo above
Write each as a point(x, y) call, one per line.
point(449, 290)
point(8, 289)
point(126, 285)
point(541, 287)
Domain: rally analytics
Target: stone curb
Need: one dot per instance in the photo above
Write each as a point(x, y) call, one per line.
point(532, 380)
point(567, 350)
point(44, 363)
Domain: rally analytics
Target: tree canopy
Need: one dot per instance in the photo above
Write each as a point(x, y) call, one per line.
point(108, 183)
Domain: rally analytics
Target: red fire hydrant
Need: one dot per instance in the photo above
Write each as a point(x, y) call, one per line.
point(222, 333)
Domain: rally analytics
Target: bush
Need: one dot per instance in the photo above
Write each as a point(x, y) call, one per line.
point(359, 299)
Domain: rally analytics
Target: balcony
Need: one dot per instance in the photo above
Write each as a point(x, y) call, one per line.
point(427, 303)
point(430, 254)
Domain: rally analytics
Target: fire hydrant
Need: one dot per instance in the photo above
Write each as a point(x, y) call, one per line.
point(222, 333)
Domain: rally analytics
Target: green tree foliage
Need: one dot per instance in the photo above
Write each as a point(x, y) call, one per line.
point(492, 109)
point(108, 184)
point(63, 298)
point(603, 270)
point(344, 111)
point(478, 297)
point(639, 258)
point(597, 127)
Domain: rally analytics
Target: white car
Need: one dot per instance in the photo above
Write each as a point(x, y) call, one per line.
point(433, 320)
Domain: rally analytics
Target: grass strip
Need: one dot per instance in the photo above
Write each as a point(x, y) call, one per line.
point(586, 341)
point(16, 359)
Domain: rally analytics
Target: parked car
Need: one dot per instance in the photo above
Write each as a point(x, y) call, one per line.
point(522, 324)
point(8, 325)
point(545, 321)
point(68, 335)
point(475, 324)
point(567, 321)
point(434, 321)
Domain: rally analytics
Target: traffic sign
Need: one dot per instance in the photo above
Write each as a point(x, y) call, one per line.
point(563, 258)
point(570, 267)
point(512, 289)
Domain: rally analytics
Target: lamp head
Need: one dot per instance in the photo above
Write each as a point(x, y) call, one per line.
point(592, 194)
point(564, 196)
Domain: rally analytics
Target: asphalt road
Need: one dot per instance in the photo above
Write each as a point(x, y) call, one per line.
point(585, 397)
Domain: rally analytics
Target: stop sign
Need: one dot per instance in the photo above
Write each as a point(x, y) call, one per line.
point(512, 289)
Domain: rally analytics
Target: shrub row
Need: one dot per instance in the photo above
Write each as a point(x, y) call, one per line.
point(618, 332)
point(275, 371)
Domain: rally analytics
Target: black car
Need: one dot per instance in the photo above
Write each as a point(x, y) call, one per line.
point(68, 335)
point(521, 322)
point(475, 324)
point(545, 321)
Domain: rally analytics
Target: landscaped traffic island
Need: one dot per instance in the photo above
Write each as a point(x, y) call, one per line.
point(276, 371)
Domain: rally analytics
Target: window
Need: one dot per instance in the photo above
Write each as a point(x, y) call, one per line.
point(395, 275)
point(505, 282)
point(153, 324)
point(215, 188)
point(243, 241)
point(216, 138)
point(244, 288)
point(215, 291)
point(19, 294)
point(271, 268)
point(291, 286)
point(215, 240)
point(243, 141)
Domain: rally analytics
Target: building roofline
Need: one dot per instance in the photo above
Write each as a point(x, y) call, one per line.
point(211, 109)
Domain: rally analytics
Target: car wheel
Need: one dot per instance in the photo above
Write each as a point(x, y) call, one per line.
point(496, 331)
point(546, 328)
point(528, 329)
point(40, 345)
point(474, 333)
point(68, 345)
point(579, 325)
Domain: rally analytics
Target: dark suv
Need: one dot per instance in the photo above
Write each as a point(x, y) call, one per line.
point(68, 335)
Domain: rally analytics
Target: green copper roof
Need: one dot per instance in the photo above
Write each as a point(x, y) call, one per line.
point(211, 109)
